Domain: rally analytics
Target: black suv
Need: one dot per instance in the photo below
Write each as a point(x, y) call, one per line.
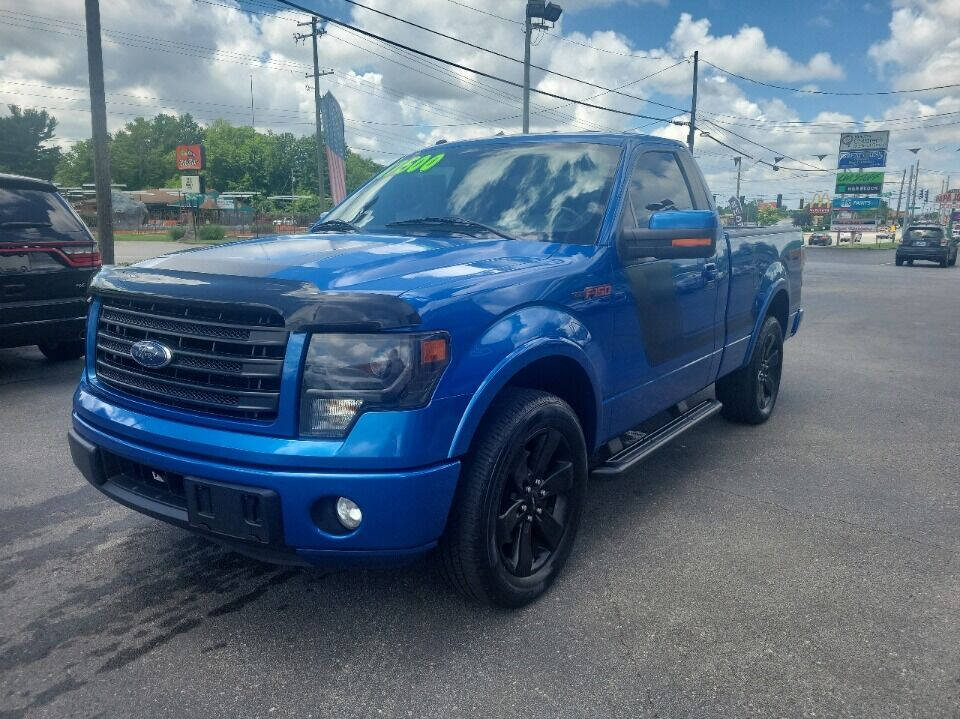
point(47, 257)
point(927, 242)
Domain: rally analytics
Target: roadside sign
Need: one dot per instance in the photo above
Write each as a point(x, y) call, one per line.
point(189, 157)
point(878, 140)
point(737, 209)
point(854, 183)
point(856, 204)
point(862, 158)
point(190, 183)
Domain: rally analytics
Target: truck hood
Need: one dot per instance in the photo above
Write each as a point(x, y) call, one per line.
point(385, 264)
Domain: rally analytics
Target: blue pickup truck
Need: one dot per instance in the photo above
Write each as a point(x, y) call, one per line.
point(441, 363)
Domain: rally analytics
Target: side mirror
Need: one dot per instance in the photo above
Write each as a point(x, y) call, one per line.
point(674, 234)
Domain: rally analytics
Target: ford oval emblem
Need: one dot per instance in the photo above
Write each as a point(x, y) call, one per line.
point(151, 353)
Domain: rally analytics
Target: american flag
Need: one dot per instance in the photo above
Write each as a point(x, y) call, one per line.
point(336, 146)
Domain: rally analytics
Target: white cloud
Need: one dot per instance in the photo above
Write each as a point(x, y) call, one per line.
point(396, 103)
point(748, 52)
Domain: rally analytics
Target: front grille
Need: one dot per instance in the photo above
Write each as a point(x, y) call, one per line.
point(226, 361)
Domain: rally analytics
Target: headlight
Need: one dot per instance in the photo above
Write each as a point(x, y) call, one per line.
point(347, 374)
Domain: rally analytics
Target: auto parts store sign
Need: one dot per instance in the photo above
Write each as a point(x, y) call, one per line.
point(855, 183)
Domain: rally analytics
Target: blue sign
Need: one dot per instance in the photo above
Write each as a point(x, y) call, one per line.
point(855, 203)
point(862, 158)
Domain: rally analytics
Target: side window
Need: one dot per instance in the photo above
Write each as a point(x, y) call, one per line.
point(656, 184)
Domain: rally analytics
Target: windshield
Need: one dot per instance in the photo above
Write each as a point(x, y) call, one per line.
point(541, 191)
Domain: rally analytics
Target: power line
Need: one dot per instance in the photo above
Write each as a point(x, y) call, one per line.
point(557, 36)
point(466, 68)
point(828, 92)
point(507, 57)
point(754, 142)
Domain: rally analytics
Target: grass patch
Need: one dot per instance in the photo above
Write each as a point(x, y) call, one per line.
point(159, 237)
point(866, 246)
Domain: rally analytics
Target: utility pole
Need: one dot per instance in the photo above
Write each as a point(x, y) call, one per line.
point(315, 33)
point(903, 177)
point(693, 106)
point(737, 161)
point(527, 30)
point(253, 116)
point(916, 184)
point(906, 210)
point(98, 119)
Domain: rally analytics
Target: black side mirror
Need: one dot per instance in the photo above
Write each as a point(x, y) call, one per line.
point(674, 234)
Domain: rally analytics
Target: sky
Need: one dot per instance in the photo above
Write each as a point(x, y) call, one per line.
point(199, 56)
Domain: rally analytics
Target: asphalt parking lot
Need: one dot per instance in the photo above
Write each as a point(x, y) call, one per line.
point(807, 567)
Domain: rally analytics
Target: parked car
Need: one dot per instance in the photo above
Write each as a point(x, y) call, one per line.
point(886, 235)
point(287, 221)
point(820, 238)
point(442, 365)
point(47, 257)
point(927, 242)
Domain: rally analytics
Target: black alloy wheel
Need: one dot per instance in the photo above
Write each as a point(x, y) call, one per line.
point(532, 514)
point(519, 502)
point(768, 372)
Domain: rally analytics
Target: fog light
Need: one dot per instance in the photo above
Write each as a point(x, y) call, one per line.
point(348, 513)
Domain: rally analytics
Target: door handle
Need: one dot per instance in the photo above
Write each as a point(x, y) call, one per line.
point(710, 271)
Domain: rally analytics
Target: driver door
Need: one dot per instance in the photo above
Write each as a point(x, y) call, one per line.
point(665, 331)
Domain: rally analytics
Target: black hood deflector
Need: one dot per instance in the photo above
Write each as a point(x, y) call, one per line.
point(303, 306)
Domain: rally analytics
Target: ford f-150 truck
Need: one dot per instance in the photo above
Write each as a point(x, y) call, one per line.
point(441, 362)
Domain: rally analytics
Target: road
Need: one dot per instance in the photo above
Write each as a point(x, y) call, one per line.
point(806, 567)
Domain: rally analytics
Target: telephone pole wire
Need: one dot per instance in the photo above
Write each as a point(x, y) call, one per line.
point(693, 102)
point(98, 120)
point(315, 33)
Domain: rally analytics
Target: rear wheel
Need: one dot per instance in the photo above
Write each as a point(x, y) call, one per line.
point(519, 503)
point(62, 351)
point(750, 394)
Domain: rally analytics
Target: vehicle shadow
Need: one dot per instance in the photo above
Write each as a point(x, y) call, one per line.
point(158, 585)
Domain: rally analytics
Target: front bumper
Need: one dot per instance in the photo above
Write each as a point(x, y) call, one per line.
point(404, 511)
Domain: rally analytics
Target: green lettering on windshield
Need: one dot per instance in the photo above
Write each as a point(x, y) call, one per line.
point(420, 162)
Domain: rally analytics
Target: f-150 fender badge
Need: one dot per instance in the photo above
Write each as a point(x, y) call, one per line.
point(594, 292)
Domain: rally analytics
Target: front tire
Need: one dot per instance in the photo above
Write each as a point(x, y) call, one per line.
point(899, 261)
point(519, 503)
point(750, 393)
point(62, 351)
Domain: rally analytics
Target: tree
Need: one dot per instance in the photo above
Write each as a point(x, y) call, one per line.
point(238, 158)
point(767, 216)
point(76, 166)
point(22, 134)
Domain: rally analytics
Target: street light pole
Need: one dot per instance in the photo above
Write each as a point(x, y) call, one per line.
point(545, 12)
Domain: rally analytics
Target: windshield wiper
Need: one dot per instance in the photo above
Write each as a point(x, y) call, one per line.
point(458, 223)
point(14, 223)
point(336, 225)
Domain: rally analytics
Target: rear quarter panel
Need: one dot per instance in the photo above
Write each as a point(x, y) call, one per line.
point(763, 262)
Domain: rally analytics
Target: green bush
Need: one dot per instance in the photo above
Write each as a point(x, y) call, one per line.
point(177, 233)
point(210, 233)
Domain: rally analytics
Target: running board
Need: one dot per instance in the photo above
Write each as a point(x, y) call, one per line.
point(629, 457)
